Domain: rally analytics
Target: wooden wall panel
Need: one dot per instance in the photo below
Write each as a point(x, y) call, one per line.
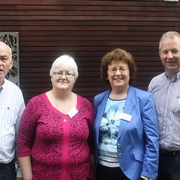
point(86, 29)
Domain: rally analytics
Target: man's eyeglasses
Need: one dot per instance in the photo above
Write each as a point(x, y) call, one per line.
point(60, 74)
point(121, 69)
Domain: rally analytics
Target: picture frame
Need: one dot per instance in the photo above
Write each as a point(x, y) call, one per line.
point(12, 39)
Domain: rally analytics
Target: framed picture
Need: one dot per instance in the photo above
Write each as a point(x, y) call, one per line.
point(12, 39)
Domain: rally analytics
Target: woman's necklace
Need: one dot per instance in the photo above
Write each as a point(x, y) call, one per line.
point(118, 96)
point(64, 119)
point(66, 110)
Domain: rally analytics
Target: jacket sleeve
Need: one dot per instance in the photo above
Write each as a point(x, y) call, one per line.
point(150, 125)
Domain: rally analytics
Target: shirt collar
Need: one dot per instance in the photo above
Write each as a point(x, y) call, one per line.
point(4, 85)
point(176, 76)
point(1, 89)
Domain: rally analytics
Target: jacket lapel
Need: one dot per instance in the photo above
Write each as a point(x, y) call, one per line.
point(128, 108)
point(101, 107)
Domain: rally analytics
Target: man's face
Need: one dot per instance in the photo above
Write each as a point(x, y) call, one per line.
point(5, 61)
point(170, 55)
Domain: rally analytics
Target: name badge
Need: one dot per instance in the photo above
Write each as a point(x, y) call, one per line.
point(72, 112)
point(125, 117)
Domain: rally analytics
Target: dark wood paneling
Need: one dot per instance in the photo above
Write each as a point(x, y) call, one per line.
point(86, 30)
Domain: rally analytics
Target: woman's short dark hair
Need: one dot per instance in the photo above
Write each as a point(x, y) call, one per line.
point(118, 55)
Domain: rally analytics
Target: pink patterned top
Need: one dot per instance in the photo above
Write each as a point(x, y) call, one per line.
point(59, 149)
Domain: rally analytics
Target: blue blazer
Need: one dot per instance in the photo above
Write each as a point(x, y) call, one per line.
point(138, 139)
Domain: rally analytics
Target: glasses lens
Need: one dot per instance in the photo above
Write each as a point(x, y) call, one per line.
point(68, 75)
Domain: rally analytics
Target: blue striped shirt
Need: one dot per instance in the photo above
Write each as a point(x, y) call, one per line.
point(167, 98)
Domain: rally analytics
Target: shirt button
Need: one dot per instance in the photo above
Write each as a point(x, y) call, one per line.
point(120, 155)
point(119, 146)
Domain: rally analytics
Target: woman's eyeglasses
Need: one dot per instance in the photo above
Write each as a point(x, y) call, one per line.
point(60, 74)
point(121, 69)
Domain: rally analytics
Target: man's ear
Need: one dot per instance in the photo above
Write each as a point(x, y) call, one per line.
point(11, 64)
point(159, 53)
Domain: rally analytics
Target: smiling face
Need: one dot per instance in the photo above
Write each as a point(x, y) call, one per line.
point(5, 61)
point(118, 74)
point(170, 55)
point(63, 82)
